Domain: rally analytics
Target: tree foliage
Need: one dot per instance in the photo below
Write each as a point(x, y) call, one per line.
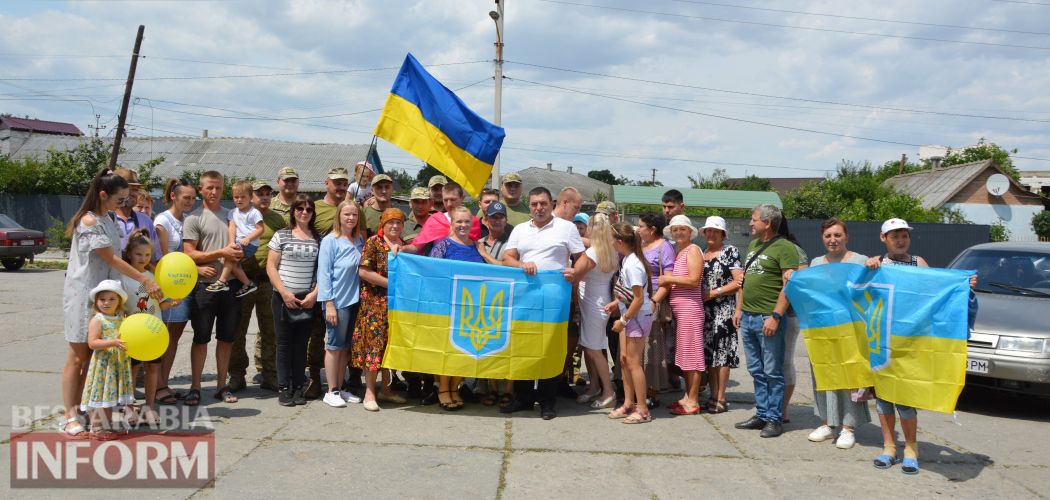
point(425, 173)
point(59, 172)
point(1041, 224)
point(403, 178)
point(983, 151)
point(604, 176)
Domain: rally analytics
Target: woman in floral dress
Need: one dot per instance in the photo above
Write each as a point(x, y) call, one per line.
point(722, 274)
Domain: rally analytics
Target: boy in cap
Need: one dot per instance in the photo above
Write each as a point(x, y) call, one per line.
point(382, 190)
point(420, 204)
point(336, 184)
point(510, 187)
point(436, 184)
point(287, 188)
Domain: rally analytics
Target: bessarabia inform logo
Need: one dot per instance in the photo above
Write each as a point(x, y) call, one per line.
point(177, 453)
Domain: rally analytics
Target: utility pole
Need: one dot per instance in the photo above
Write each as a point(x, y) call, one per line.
point(127, 99)
point(97, 127)
point(654, 176)
point(904, 158)
point(497, 15)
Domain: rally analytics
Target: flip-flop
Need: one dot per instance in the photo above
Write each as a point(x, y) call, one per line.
point(680, 410)
point(166, 399)
point(910, 466)
point(193, 398)
point(225, 394)
point(885, 461)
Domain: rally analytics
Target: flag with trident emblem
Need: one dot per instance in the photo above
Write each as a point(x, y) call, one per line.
point(475, 320)
point(902, 330)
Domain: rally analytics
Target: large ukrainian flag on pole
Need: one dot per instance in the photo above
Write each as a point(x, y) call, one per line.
point(425, 118)
point(902, 330)
point(475, 320)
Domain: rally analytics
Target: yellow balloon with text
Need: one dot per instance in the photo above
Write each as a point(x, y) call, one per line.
point(176, 274)
point(145, 336)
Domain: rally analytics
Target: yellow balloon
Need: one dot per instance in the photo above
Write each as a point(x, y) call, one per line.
point(145, 336)
point(176, 274)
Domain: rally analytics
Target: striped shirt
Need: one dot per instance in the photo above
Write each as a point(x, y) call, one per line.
point(298, 265)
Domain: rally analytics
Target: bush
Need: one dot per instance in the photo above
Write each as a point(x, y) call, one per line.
point(999, 231)
point(56, 235)
point(1041, 224)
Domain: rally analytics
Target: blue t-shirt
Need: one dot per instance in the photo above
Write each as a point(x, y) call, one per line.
point(337, 266)
point(450, 249)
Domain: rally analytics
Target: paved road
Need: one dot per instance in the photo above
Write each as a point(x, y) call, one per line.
point(996, 447)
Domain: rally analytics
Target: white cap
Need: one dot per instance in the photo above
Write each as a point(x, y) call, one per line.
point(715, 222)
point(892, 224)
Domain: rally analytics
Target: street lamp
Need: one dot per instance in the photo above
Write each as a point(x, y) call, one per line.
point(497, 17)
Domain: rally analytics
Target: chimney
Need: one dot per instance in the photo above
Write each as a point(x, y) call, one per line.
point(935, 161)
point(205, 134)
point(550, 166)
point(569, 169)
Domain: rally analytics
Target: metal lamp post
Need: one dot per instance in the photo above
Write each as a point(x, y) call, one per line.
point(497, 16)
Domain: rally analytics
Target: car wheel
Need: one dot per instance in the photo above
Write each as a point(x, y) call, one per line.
point(14, 264)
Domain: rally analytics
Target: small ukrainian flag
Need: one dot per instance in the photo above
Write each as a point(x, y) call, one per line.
point(475, 320)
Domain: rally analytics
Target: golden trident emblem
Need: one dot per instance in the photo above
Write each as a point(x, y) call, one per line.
point(474, 325)
point(872, 318)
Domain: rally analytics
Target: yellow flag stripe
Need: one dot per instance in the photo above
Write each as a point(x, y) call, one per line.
point(837, 354)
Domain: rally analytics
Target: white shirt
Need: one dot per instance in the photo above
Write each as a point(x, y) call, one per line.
point(632, 273)
point(549, 247)
point(139, 300)
point(246, 222)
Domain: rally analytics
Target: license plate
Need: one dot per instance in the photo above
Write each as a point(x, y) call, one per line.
point(26, 242)
point(977, 365)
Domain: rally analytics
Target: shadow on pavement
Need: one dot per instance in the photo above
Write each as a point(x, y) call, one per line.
point(992, 403)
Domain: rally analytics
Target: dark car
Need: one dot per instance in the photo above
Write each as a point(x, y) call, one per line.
point(18, 244)
point(1009, 348)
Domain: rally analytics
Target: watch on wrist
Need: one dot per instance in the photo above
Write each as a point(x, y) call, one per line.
point(777, 316)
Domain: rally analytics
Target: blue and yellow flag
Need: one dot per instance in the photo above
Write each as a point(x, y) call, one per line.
point(902, 330)
point(475, 320)
point(426, 119)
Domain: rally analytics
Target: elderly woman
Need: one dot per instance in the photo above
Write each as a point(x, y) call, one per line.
point(722, 275)
point(659, 258)
point(370, 334)
point(688, 305)
point(837, 408)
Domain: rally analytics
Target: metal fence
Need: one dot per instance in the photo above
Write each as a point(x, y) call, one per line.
point(937, 243)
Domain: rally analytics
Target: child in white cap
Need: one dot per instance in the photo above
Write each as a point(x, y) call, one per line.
point(108, 383)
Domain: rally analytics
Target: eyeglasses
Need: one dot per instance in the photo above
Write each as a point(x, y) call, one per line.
point(121, 201)
point(304, 209)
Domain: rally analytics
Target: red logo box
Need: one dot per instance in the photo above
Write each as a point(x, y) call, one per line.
point(134, 460)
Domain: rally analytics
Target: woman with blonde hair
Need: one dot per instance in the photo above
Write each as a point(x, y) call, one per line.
point(338, 291)
point(595, 270)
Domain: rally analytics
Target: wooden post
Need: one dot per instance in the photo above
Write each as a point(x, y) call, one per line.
point(904, 158)
point(127, 99)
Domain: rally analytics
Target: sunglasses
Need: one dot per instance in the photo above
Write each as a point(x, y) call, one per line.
point(121, 201)
point(304, 209)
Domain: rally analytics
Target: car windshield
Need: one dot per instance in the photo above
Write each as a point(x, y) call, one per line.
point(1008, 272)
point(6, 221)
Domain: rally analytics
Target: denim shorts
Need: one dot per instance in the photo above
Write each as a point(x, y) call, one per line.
point(340, 335)
point(177, 314)
point(639, 326)
point(249, 249)
point(883, 407)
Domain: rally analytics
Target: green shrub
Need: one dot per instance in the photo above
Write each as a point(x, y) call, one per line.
point(1041, 224)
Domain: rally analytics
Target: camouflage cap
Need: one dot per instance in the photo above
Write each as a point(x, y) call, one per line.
point(607, 208)
point(420, 193)
point(512, 177)
point(437, 180)
point(257, 185)
point(287, 173)
point(381, 178)
point(338, 173)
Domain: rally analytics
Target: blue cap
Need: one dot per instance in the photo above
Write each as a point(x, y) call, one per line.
point(582, 217)
point(496, 208)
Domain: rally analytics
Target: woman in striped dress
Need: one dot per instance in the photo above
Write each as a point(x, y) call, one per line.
point(687, 302)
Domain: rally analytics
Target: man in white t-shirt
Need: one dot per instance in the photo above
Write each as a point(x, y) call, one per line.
point(543, 243)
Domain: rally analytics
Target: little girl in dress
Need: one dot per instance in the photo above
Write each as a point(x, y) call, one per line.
point(109, 381)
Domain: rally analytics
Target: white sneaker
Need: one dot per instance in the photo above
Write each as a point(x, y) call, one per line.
point(822, 433)
point(349, 397)
point(332, 399)
point(846, 440)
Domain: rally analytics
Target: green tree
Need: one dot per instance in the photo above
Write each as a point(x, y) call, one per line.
point(1041, 224)
point(150, 181)
point(403, 178)
point(425, 173)
point(604, 176)
point(984, 151)
point(754, 183)
point(718, 179)
point(59, 172)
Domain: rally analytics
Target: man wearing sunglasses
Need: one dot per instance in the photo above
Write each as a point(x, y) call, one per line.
point(129, 220)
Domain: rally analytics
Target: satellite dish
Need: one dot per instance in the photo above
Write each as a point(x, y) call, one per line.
point(997, 184)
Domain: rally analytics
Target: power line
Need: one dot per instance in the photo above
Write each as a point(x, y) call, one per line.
point(826, 30)
point(660, 158)
point(752, 94)
point(915, 23)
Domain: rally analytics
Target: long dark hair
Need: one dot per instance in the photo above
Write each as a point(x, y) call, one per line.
point(786, 233)
point(625, 233)
point(300, 200)
point(172, 186)
point(105, 181)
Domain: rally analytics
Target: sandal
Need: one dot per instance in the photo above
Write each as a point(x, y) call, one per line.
point(490, 399)
point(167, 399)
point(226, 395)
point(193, 398)
point(910, 466)
point(100, 434)
point(720, 406)
point(674, 404)
point(78, 432)
point(621, 412)
point(680, 410)
point(638, 417)
point(587, 397)
point(172, 392)
point(451, 405)
point(505, 400)
point(884, 461)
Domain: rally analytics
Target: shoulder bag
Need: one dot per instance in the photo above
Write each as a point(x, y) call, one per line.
point(302, 314)
point(663, 312)
point(759, 252)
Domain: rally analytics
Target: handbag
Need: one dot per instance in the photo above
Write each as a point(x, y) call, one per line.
point(300, 315)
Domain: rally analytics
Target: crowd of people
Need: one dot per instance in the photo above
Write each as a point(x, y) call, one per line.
point(652, 311)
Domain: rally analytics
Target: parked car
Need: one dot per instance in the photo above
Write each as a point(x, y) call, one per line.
point(1009, 348)
point(18, 244)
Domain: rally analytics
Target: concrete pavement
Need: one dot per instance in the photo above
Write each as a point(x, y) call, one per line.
point(995, 446)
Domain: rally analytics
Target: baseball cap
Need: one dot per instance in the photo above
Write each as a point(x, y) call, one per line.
point(420, 193)
point(607, 208)
point(128, 175)
point(339, 173)
point(257, 185)
point(380, 178)
point(287, 173)
point(437, 180)
point(512, 177)
point(892, 224)
point(496, 208)
point(581, 217)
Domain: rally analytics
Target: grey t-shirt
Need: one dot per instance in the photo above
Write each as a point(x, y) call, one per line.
point(209, 228)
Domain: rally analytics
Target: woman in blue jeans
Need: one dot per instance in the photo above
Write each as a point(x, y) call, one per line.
point(338, 290)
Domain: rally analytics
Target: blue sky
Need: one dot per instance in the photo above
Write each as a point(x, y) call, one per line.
point(786, 88)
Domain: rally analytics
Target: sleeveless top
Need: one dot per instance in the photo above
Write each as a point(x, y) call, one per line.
point(887, 261)
point(681, 268)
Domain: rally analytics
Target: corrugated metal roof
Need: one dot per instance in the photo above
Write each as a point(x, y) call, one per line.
point(935, 187)
point(39, 126)
point(782, 185)
point(711, 198)
point(241, 157)
point(556, 180)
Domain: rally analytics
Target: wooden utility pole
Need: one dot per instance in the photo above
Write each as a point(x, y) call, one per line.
point(127, 99)
point(904, 158)
point(654, 176)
